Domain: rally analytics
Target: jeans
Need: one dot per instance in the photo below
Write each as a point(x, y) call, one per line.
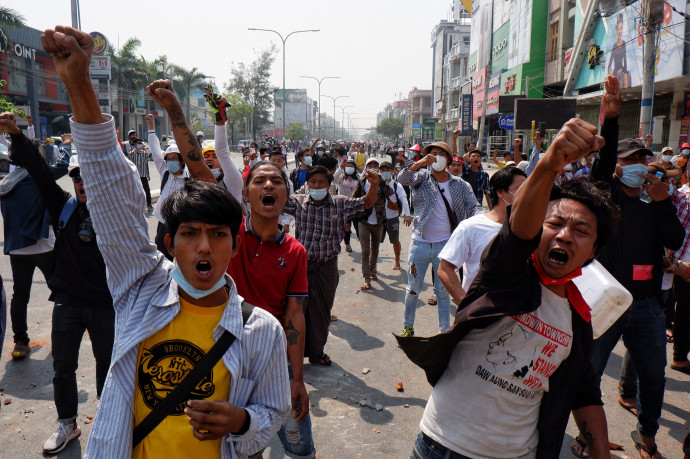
point(426, 447)
point(304, 448)
point(643, 330)
point(69, 323)
point(23, 267)
point(421, 255)
point(370, 239)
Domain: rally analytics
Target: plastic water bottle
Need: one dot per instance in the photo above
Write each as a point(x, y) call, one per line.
point(604, 294)
point(292, 429)
point(644, 197)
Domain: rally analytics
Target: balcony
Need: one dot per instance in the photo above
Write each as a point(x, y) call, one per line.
point(457, 50)
point(455, 84)
point(454, 114)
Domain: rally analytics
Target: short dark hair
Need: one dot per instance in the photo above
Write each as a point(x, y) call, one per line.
point(263, 150)
point(300, 154)
point(201, 202)
point(275, 153)
point(501, 181)
point(320, 170)
point(328, 161)
point(264, 163)
point(595, 197)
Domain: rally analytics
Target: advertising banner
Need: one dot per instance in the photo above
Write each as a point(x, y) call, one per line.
point(624, 44)
point(292, 96)
point(520, 32)
point(478, 86)
point(429, 128)
point(416, 133)
point(465, 124)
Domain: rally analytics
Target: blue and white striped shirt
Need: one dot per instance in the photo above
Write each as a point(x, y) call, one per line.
point(146, 299)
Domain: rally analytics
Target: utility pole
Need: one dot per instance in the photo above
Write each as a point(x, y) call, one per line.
point(652, 13)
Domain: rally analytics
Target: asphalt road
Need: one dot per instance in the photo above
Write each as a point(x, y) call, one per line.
point(360, 339)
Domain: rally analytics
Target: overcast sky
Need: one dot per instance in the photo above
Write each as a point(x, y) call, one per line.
point(379, 48)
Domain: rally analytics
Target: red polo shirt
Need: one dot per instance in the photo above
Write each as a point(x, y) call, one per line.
point(267, 272)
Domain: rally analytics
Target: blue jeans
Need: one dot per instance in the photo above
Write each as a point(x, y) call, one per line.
point(304, 448)
point(643, 329)
point(421, 255)
point(426, 447)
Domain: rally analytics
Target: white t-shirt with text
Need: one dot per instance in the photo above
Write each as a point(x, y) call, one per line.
point(437, 227)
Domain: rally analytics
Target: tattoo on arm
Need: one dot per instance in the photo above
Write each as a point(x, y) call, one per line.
point(193, 156)
point(291, 333)
point(587, 437)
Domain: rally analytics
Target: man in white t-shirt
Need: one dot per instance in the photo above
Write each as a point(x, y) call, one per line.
point(468, 241)
point(396, 205)
point(517, 360)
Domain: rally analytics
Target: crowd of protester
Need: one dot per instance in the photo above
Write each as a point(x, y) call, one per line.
point(196, 354)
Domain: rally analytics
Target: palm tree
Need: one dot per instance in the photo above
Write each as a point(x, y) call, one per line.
point(126, 70)
point(8, 18)
point(187, 80)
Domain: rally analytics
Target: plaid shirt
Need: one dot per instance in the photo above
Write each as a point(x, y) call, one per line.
point(682, 203)
point(320, 229)
point(482, 185)
point(424, 191)
point(141, 160)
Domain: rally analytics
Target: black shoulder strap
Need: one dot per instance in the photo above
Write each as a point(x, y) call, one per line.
point(181, 392)
point(166, 176)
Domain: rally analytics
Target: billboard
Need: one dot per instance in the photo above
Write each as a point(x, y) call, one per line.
point(292, 96)
point(520, 32)
point(624, 44)
point(482, 13)
point(554, 113)
point(429, 128)
point(465, 124)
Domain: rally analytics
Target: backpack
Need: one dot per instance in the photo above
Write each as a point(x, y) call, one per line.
point(394, 205)
point(67, 211)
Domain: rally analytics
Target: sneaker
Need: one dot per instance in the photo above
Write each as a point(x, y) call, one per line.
point(21, 350)
point(348, 248)
point(64, 433)
point(407, 332)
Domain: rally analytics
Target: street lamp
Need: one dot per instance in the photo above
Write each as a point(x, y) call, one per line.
point(283, 40)
point(348, 122)
point(334, 115)
point(318, 81)
point(343, 124)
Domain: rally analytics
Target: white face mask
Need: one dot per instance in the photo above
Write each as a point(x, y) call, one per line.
point(440, 164)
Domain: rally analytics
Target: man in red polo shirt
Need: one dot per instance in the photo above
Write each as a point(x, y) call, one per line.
point(270, 272)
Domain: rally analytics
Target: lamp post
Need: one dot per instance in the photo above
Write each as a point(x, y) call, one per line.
point(319, 82)
point(334, 115)
point(343, 123)
point(283, 40)
point(349, 126)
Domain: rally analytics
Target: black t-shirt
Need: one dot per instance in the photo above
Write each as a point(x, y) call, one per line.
point(472, 177)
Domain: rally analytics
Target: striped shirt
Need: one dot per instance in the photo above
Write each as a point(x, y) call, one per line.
point(682, 203)
point(424, 193)
point(321, 229)
point(140, 158)
point(146, 299)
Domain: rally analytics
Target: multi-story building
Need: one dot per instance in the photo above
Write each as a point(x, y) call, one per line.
point(450, 42)
point(298, 109)
point(419, 111)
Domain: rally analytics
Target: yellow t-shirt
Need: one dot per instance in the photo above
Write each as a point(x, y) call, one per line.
point(164, 359)
point(501, 164)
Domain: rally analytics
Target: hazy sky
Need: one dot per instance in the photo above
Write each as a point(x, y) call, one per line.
point(379, 48)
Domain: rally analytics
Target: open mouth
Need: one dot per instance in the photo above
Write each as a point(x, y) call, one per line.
point(268, 201)
point(558, 256)
point(203, 268)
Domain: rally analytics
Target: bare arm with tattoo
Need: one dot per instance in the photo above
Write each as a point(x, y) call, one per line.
point(162, 92)
point(591, 421)
point(295, 329)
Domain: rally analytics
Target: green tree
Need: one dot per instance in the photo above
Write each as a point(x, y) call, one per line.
point(238, 112)
point(127, 71)
point(12, 19)
point(252, 82)
point(296, 131)
point(188, 79)
point(390, 127)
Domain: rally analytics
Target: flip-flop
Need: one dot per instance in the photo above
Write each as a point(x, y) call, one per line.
point(396, 267)
point(685, 369)
point(365, 286)
point(637, 439)
point(334, 318)
point(432, 301)
point(627, 406)
point(669, 336)
point(583, 445)
point(374, 277)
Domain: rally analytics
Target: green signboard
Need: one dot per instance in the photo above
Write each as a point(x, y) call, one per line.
point(416, 133)
point(429, 128)
point(439, 131)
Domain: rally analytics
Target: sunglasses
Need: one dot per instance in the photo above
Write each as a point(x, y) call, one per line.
point(76, 179)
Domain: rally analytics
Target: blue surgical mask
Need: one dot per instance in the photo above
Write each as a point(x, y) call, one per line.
point(685, 152)
point(630, 177)
point(139, 146)
point(189, 289)
point(173, 166)
point(307, 160)
point(666, 158)
point(319, 152)
point(318, 195)
point(386, 175)
point(349, 170)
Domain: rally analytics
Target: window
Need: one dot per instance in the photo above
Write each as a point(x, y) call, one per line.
point(16, 74)
point(553, 42)
point(40, 72)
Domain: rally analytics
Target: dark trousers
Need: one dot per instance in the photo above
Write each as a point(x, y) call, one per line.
point(147, 190)
point(3, 315)
point(322, 278)
point(23, 267)
point(681, 326)
point(69, 324)
point(161, 231)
